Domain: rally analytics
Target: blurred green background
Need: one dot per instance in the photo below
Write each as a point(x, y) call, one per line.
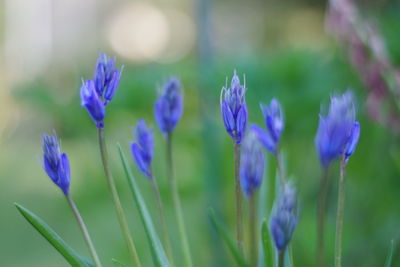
point(48, 46)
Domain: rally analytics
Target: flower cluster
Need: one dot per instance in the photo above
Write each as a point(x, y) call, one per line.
point(55, 163)
point(338, 132)
point(337, 136)
point(97, 93)
point(234, 108)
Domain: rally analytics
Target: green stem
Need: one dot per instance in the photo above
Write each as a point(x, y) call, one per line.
point(177, 204)
point(84, 230)
point(340, 215)
point(164, 226)
point(114, 194)
point(281, 258)
point(323, 195)
point(291, 261)
point(281, 169)
point(239, 201)
point(253, 231)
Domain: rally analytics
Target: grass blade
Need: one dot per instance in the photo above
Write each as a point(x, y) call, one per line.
point(389, 258)
point(159, 256)
point(54, 239)
point(117, 263)
point(267, 245)
point(221, 230)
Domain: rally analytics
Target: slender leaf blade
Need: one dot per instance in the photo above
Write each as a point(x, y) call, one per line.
point(221, 230)
point(157, 250)
point(54, 239)
point(389, 258)
point(117, 263)
point(267, 245)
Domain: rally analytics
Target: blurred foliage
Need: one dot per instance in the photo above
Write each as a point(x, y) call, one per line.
point(301, 79)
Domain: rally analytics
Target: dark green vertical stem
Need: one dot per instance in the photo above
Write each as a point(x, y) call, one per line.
point(114, 194)
point(321, 211)
point(281, 168)
point(239, 201)
point(164, 226)
point(84, 230)
point(340, 215)
point(177, 204)
point(253, 231)
point(291, 262)
point(281, 258)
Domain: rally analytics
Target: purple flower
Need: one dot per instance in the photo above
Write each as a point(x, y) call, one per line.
point(97, 93)
point(274, 123)
point(251, 164)
point(351, 145)
point(106, 77)
point(335, 129)
point(274, 120)
point(284, 217)
point(93, 103)
point(142, 150)
point(234, 108)
point(55, 163)
point(168, 108)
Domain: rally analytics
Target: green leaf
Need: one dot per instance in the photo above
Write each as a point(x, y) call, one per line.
point(117, 263)
point(157, 250)
point(389, 258)
point(54, 239)
point(267, 245)
point(221, 230)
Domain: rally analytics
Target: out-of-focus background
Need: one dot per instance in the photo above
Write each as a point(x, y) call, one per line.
point(47, 47)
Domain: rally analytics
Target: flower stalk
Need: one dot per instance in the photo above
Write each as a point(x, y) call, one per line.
point(84, 230)
point(177, 203)
point(281, 170)
point(281, 258)
point(164, 226)
point(239, 200)
point(323, 195)
point(116, 200)
point(253, 230)
point(340, 215)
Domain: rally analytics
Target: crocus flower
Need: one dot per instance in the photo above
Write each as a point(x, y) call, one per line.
point(335, 130)
point(142, 150)
point(55, 163)
point(274, 123)
point(97, 93)
point(234, 108)
point(251, 164)
point(168, 108)
point(284, 217)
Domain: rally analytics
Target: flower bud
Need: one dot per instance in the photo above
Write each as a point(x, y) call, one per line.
point(168, 108)
point(55, 163)
point(93, 103)
point(142, 150)
point(284, 217)
point(251, 164)
point(234, 109)
point(335, 129)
